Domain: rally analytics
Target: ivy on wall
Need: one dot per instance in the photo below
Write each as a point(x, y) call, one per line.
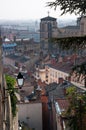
point(11, 90)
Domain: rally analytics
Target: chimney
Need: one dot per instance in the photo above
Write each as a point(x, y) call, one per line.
point(69, 78)
point(60, 80)
point(60, 59)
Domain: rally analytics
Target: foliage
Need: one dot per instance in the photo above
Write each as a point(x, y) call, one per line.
point(77, 109)
point(10, 83)
point(11, 90)
point(73, 43)
point(71, 90)
point(80, 70)
point(71, 6)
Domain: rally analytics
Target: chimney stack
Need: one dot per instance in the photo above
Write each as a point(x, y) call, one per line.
point(60, 80)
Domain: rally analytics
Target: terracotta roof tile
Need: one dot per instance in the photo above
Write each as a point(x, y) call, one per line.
point(63, 103)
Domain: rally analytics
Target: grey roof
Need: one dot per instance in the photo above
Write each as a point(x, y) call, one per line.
point(20, 59)
point(57, 90)
point(71, 27)
point(48, 18)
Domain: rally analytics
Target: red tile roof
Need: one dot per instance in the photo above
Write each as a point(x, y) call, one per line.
point(63, 103)
point(67, 63)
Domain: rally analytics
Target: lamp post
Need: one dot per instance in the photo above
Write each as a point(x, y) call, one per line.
point(20, 80)
point(20, 126)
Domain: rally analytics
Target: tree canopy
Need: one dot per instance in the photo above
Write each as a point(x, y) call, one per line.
point(80, 70)
point(71, 6)
point(74, 43)
point(76, 109)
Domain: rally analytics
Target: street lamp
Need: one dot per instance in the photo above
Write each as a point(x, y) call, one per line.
point(20, 128)
point(20, 80)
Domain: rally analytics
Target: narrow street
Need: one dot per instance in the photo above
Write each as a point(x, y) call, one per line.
point(47, 114)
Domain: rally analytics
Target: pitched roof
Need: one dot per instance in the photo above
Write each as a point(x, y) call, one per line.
point(61, 105)
point(57, 90)
point(67, 63)
point(71, 27)
point(48, 18)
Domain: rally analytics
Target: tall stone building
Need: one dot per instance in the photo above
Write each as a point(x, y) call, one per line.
point(48, 29)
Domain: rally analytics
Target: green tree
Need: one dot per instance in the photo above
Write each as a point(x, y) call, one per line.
point(80, 70)
point(71, 6)
point(76, 112)
point(11, 90)
point(74, 43)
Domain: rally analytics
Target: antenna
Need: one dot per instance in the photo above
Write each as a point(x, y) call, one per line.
point(48, 13)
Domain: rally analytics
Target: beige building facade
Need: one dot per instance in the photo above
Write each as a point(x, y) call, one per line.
point(51, 74)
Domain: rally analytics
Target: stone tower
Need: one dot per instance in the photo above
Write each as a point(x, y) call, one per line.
point(48, 27)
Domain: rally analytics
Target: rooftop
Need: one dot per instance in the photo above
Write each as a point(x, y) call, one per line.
point(48, 18)
point(61, 105)
point(57, 90)
point(67, 63)
point(18, 58)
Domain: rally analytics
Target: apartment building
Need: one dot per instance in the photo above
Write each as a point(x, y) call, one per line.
point(9, 47)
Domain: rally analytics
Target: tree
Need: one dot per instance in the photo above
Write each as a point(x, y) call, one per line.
point(76, 111)
point(75, 43)
point(71, 6)
point(80, 71)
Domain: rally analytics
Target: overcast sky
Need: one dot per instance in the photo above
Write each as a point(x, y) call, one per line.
point(28, 9)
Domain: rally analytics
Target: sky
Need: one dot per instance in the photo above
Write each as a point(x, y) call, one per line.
point(28, 9)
